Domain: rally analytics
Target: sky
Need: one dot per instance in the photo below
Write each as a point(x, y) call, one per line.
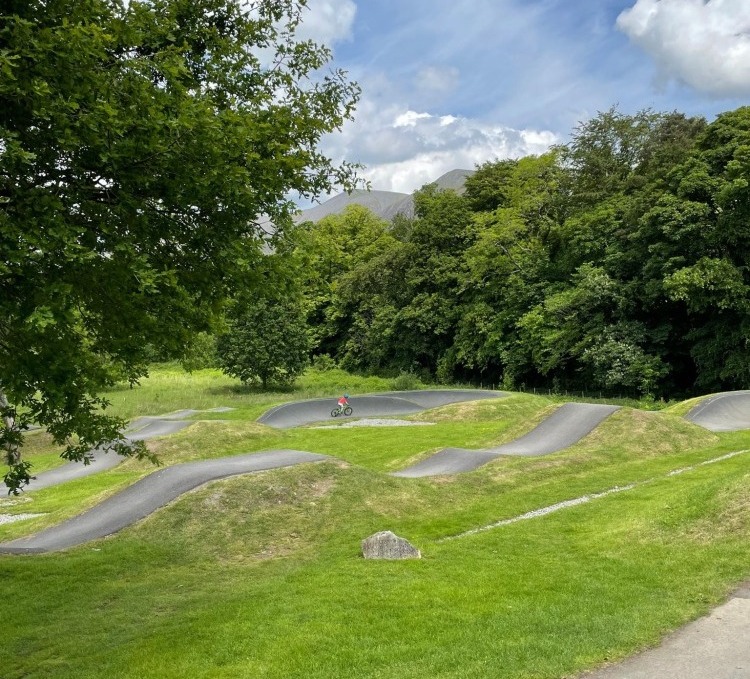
point(449, 84)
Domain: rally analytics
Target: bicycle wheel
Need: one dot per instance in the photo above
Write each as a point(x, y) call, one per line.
point(335, 412)
point(348, 410)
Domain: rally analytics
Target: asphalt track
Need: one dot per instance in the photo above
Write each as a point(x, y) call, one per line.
point(147, 495)
point(728, 411)
point(564, 427)
point(386, 404)
point(567, 425)
point(141, 429)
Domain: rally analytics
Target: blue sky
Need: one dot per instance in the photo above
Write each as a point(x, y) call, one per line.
point(449, 84)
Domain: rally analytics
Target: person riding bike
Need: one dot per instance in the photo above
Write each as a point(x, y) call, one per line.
point(343, 402)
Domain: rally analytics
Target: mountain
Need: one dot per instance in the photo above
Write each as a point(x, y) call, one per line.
point(385, 204)
point(379, 202)
point(455, 179)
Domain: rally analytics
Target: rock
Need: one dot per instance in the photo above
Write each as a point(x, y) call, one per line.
point(387, 545)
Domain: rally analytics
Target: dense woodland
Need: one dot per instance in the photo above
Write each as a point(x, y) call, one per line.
point(617, 262)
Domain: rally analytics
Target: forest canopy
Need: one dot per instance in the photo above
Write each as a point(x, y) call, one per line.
point(617, 262)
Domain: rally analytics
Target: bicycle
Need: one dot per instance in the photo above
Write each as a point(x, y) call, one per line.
point(342, 411)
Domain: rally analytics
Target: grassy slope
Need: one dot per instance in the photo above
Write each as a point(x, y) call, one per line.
point(259, 576)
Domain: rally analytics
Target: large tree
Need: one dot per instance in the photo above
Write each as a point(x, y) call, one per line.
point(327, 253)
point(140, 144)
point(403, 300)
point(704, 229)
point(517, 207)
point(266, 340)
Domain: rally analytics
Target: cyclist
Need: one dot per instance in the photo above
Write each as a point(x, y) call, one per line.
point(343, 402)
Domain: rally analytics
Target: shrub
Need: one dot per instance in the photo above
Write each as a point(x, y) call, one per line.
point(323, 363)
point(406, 381)
point(200, 353)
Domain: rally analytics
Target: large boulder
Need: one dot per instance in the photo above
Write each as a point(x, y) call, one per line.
point(387, 545)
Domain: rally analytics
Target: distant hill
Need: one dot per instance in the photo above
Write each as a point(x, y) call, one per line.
point(379, 202)
point(455, 179)
point(385, 204)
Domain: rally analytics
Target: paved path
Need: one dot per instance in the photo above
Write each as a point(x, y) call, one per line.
point(147, 495)
point(728, 411)
point(567, 425)
point(716, 646)
point(386, 404)
point(141, 429)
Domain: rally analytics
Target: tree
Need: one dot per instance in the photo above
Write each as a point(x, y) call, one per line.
point(616, 169)
point(326, 253)
point(372, 294)
point(704, 226)
point(489, 187)
point(508, 265)
point(200, 353)
point(267, 341)
point(140, 144)
point(426, 324)
point(384, 301)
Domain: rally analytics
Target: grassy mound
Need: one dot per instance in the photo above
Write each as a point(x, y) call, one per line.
point(260, 575)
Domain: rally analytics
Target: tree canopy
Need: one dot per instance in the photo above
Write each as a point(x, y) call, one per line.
point(266, 340)
point(617, 262)
point(141, 144)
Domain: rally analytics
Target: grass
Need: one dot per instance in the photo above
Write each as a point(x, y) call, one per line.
point(684, 407)
point(260, 575)
point(169, 388)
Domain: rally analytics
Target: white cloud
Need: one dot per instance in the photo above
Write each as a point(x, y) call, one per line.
point(703, 43)
point(409, 119)
point(327, 21)
point(403, 150)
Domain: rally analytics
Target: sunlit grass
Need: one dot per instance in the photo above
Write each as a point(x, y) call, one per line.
point(170, 388)
point(260, 575)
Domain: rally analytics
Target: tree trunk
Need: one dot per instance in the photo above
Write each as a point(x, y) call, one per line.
point(12, 451)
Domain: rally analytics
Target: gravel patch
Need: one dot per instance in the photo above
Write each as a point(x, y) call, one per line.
point(10, 518)
point(374, 422)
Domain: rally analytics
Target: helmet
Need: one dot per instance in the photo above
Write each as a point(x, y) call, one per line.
point(346, 395)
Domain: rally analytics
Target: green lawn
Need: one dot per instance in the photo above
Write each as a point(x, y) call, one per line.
point(171, 388)
point(260, 575)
